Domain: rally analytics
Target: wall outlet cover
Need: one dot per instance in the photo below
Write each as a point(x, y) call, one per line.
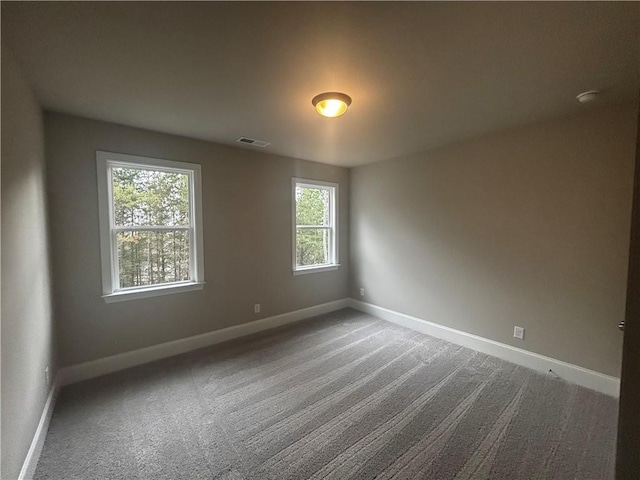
point(518, 332)
point(256, 308)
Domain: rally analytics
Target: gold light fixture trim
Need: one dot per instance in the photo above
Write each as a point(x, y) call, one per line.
point(331, 104)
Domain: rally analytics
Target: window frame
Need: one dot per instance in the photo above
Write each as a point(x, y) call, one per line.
point(111, 292)
point(333, 188)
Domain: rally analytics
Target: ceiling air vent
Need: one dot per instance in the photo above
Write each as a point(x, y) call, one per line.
point(253, 142)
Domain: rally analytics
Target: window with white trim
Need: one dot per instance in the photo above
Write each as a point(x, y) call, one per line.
point(150, 226)
point(315, 235)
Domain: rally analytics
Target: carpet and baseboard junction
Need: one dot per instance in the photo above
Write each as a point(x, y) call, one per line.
point(341, 396)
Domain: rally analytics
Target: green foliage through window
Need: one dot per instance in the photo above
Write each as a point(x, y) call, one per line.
point(152, 217)
point(150, 197)
point(314, 229)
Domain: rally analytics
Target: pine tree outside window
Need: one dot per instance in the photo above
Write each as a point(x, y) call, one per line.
point(150, 226)
point(315, 236)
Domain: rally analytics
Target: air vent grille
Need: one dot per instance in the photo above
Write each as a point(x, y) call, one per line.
point(253, 142)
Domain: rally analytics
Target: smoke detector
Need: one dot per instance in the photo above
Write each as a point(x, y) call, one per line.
point(253, 142)
point(588, 97)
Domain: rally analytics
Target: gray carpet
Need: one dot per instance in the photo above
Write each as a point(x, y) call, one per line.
point(341, 396)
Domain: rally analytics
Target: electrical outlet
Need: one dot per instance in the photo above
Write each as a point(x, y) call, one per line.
point(362, 292)
point(256, 308)
point(47, 378)
point(518, 332)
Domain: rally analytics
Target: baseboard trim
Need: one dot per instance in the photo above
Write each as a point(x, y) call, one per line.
point(35, 449)
point(571, 373)
point(103, 366)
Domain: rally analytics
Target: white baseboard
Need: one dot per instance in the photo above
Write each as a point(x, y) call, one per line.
point(567, 371)
point(33, 455)
point(102, 366)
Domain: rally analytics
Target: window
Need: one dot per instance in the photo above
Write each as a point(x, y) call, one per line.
point(315, 239)
point(150, 226)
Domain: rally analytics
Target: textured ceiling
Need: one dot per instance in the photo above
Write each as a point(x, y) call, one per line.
point(420, 74)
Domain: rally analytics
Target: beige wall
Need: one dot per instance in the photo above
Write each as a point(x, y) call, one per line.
point(528, 227)
point(27, 321)
point(247, 240)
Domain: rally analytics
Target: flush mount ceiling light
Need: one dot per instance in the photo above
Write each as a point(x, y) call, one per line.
point(586, 97)
point(331, 104)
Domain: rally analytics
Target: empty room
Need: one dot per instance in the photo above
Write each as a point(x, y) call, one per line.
point(320, 240)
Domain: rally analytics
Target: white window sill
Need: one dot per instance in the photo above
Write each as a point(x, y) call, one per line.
point(154, 291)
point(315, 269)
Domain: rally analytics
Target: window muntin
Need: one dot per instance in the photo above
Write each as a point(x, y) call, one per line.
point(151, 217)
point(314, 229)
